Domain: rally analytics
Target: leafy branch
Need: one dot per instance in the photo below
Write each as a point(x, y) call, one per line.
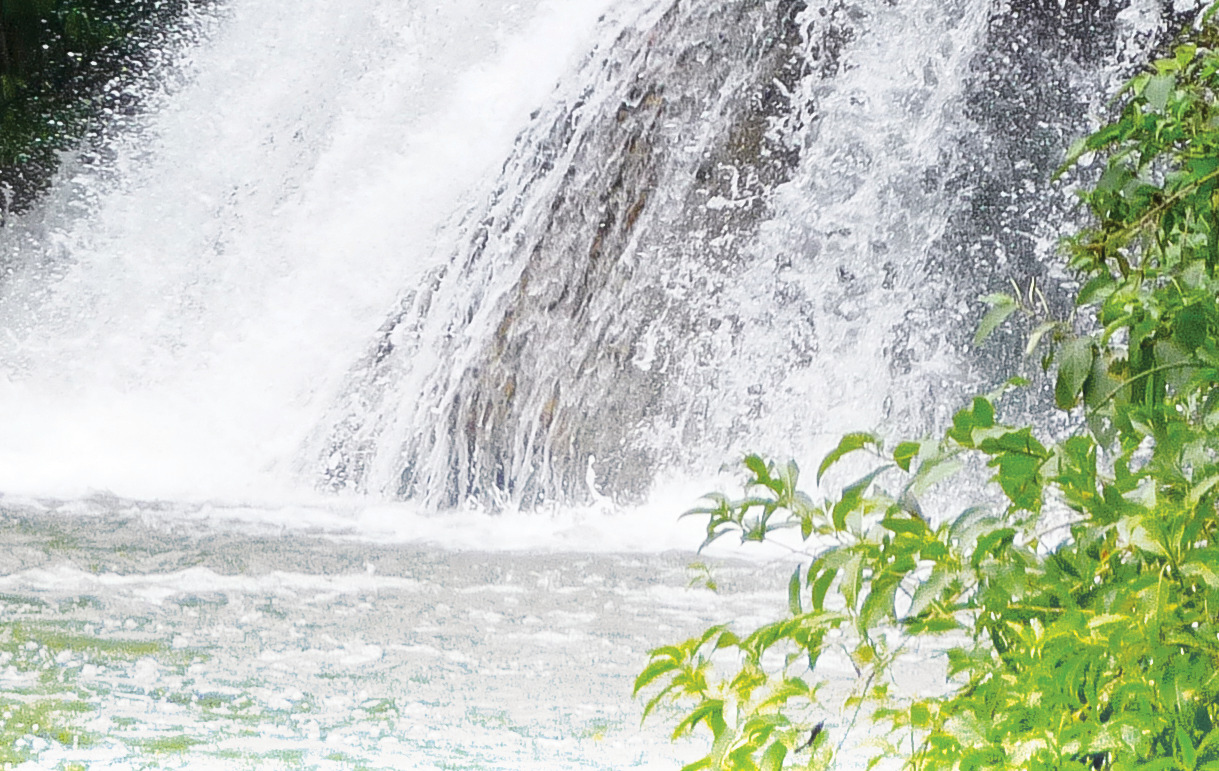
point(1092, 651)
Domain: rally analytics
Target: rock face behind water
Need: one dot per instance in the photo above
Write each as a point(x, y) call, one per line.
point(615, 203)
point(720, 213)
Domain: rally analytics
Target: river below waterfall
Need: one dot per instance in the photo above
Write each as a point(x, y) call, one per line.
point(159, 637)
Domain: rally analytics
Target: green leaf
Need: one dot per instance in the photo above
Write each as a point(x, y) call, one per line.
point(932, 472)
point(903, 525)
point(1114, 178)
point(991, 544)
point(984, 412)
point(1020, 442)
point(1001, 306)
point(1039, 332)
point(773, 757)
point(711, 711)
point(1203, 564)
point(1074, 366)
point(658, 698)
point(970, 523)
point(933, 625)
point(761, 470)
point(1188, 755)
point(1158, 89)
point(1020, 479)
point(1193, 325)
point(829, 571)
point(904, 453)
point(878, 605)
point(1184, 53)
point(1105, 136)
point(793, 594)
point(1074, 153)
point(653, 671)
point(789, 475)
point(852, 497)
point(1101, 385)
point(698, 765)
point(928, 591)
point(1199, 491)
point(852, 579)
point(848, 444)
point(1096, 290)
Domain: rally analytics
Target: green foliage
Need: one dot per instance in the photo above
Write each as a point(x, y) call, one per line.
point(1078, 619)
point(60, 62)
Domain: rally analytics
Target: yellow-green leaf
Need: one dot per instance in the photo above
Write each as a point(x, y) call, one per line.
point(848, 444)
point(1001, 306)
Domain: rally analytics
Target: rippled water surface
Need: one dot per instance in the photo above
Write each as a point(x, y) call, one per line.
point(131, 638)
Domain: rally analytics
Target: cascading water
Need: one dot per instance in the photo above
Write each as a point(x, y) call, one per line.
point(171, 322)
point(722, 215)
point(735, 226)
point(729, 227)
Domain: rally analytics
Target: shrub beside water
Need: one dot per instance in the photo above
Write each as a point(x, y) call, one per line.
point(66, 66)
point(1077, 622)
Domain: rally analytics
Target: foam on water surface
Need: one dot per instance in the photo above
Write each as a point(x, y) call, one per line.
point(236, 650)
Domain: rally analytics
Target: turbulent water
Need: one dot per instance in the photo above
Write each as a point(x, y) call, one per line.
point(365, 285)
point(602, 314)
point(177, 321)
point(230, 649)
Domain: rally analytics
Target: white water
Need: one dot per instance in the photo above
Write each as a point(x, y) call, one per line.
point(197, 316)
point(192, 320)
point(329, 653)
point(729, 305)
point(179, 326)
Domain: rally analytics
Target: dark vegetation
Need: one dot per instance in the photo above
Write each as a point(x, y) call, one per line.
point(1074, 617)
point(67, 69)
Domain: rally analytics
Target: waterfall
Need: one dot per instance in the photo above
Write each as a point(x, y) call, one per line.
point(174, 320)
point(730, 229)
point(550, 250)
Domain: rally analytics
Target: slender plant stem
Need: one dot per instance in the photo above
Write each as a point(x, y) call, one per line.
point(1154, 370)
